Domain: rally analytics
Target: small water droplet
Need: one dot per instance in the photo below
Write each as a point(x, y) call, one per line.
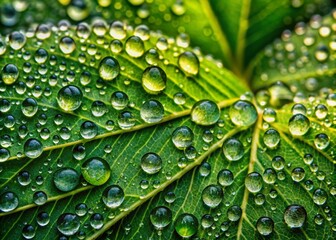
point(67, 45)
point(243, 113)
point(298, 125)
point(265, 226)
point(182, 137)
point(186, 225)
point(68, 224)
point(205, 112)
point(154, 80)
point(33, 148)
point(69, 98)
point(189, 63)
point(8, 201)
point(212, 196)
point(233, 149)
point(253, 182)
point(109, 68)
point(152, 111)
point(151, 163)
point(160, 217)
point(66, 179)
point(96, 171)
point(113, 196)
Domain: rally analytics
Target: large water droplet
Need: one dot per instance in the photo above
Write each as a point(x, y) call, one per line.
point(96, 171)
point(43, 219)
point(243, 113)
point(234, 213)
point(119, 100)
point(66, 179)
point(295, 216)
point(68, 224)
point(8, 201)
point(109, 68)
point(16, 40)
point(253, 182)
point(271, 138)
point(113, 196)
point(189, 63)
point(151, 163)
point(67, 45)
point(33, 148)
point(233, 149)
point(298, 174)
point(152, 111)
point(205, 112)
point(186, 225)
point(182, 137)
point(154, 80)
point(160, 217)
point(88, 130)
point(97, 221)
point(28, 231)
point(265, 226)
point(321, 141)
point(134, 47)
point(40, 198)
point(69, 98)
point(29, 107)
point(225, 177)
point(298, 125)
point(212, 196)
point(9, 74)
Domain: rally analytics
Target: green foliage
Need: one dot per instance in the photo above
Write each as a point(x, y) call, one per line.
point(111, 130)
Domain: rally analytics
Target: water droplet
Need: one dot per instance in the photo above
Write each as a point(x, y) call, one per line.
point(318, 219)
point(118, 30)
point(113, 196)
point(233, 149)
point(69, 98)
point(134, 47)
point(321, 111)
point(96, 171)
point(207, 221)
point(265, 226)
point(186, 225)
point(225, 177)
point(9, 74)
point(16, 40)
point(321, 141)
point(8, 201)
point(88, 130)
point(298, 174)
point(298, 125)
point(97, 221)
point(43, 219)
point(66, 179)
point(278, 163)
point(151, 163)
point(152, 111)
point(154, 80)
point(4, 154)
point(320, 196)
point(81, 209)
point(271, 138)
point(119, 100)
point(182, 137)
point(33, 148)
point(212, 196)
point(243, 113)
point(40, 198)
point(28, 231)
point(109, 68)
point(269, 176)
point(67, 45)
point(179, 98)
point(68, 224)
point(29, 107)
point(234, 213)
point(160, 217)
point(78, 152)
point(205, 112)
point(98, 108)
point(259, 199)
point(295, 216)
point(322, 53)
point(253, 182)
point(189, 63)
point(24, 178)
point(126, 120)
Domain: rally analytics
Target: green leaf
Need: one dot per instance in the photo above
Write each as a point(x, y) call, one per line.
point(231, 26)
point(112, 170)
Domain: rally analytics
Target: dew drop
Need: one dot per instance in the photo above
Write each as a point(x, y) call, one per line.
point(271, 138)
point(16, 40)
point(243, 113)
point(8, 201)
point(88, 130)
point(113, 196)
point(24, 178)
point(269, 176)
point(97, 221)
point(152, 111)
point(160, 217)
point(98, 108)
point(298, 125)
point(68, 224)
point(182, 137)
point(69, 98)
point(212, 196)
point(265, 226)
point(320, 196)
point(186, 225)
point(9, 74)
point(189, 63)
point(81, 209)
point(96, 171)
point(253, 182)
point(67, 45)
point(117, 30)
point(298, 174)
point(295, 216)
point(207, 221)
point(43, 219)
point(205, 112)
point(66, 179)
point(225, 177)
point(109, 68)
point(234, 213)
point(29, 107)
point(151, 163)
point(119, 100)
point(233, 149)
point(33, 148)
point(28, 231)
point(321, 141)
point(40, 198)
point(126, 120)
point(134, 47)
point(154, 80)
